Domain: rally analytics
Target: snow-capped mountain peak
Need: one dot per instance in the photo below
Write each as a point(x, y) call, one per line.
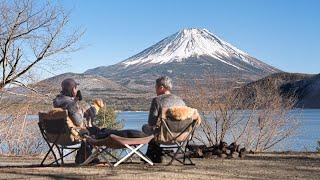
point(189, 52)
point(187, 43)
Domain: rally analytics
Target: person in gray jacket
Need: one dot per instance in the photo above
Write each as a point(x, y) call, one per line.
point(164, 99)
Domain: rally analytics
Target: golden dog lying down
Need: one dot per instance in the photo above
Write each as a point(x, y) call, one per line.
point(181, 113)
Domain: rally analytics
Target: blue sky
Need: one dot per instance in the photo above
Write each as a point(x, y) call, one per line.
point(282, 33)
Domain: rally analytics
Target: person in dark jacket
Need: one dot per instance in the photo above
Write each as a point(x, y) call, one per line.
point(164, 99)
point(69, 99)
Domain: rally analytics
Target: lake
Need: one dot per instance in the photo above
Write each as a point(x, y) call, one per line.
point(305, 139)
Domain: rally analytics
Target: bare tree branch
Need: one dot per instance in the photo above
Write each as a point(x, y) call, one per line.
point(28, 26)
point(258, 124)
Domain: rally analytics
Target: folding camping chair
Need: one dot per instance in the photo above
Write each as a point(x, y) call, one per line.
point(112, 142)
point(58, 131)
point(176, 128)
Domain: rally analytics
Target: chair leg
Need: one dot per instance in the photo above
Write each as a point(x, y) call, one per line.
point(64, 156)
point(182, 150)
point(54, 155)
point(60, 151)
point(185, 157)
point(185, 150)
point(105, 158)
point(45, 157)
point(61, 155)
point(174, 157)
point(91, 157)
point(105, 150)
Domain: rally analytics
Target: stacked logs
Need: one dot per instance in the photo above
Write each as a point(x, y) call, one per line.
point(222, 150)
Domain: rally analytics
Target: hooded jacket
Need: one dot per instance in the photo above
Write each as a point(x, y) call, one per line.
point(72, 106)
point(162, 101)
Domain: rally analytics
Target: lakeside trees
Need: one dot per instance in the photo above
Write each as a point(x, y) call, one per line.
point(257, 123)
point(32, 33)
point(33, 37)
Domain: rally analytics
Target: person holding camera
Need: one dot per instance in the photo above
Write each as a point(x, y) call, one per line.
point(69, 99)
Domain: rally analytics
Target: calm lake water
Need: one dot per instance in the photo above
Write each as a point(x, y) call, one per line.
point(305, 139)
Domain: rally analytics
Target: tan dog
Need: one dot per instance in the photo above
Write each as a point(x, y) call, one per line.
point(98, 104)
point(94, 109)
point(183, 112)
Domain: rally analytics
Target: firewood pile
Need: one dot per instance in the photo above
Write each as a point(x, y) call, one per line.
point(221, 150)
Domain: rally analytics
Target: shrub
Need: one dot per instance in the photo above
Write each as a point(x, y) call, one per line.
point(258, 123)
point(318, 148)
point(107, 118)
point(19, 134)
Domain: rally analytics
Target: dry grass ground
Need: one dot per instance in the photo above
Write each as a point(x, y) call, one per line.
point(257, 166)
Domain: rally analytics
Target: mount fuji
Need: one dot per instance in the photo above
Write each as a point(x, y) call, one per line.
point(187, 53)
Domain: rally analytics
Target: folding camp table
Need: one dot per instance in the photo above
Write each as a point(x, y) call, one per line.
point(106, 145)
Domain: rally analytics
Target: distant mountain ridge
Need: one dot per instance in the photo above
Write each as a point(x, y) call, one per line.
point(303, 88)
point(189, 52)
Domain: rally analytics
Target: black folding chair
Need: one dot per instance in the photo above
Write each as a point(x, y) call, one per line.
point(57, 134)
point(174, 136)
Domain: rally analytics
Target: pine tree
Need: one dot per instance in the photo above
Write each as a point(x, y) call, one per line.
point(107, 118)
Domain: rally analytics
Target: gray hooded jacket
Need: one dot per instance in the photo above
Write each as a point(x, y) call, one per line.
point(162, 101)
point(72, 106)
